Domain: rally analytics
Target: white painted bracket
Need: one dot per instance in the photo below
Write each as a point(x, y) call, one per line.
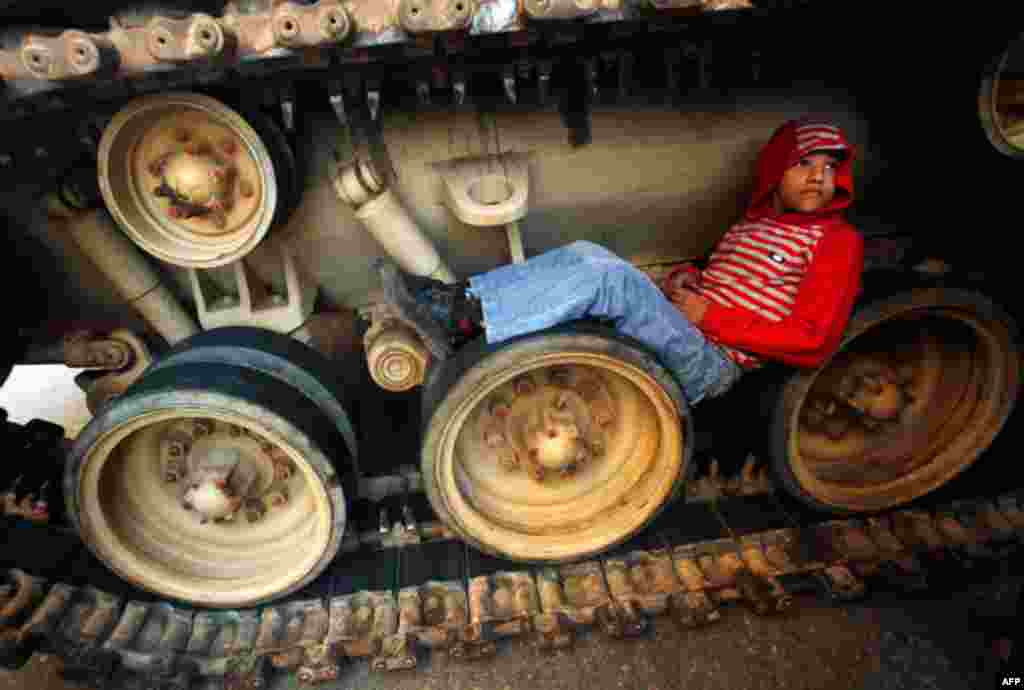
point(490, 191)
point(256, 306)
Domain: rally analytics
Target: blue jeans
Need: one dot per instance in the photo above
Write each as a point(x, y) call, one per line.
point(584, 280)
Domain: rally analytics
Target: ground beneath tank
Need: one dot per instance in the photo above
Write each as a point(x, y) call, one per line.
point(934, 643)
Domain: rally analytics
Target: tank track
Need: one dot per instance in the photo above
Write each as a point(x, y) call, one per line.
point(421, 591)
point(656, 55)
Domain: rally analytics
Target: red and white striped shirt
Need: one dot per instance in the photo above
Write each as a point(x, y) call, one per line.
point(758, 266)
point(781, 286)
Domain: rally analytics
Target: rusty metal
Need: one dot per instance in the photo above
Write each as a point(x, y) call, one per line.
point(23, 594)
point(879, 426)
point(141, 39)
point(397, 653)
point(294, 636)
point(760, 584)
point(693, 606)
point(567, 9)
point(91, 617)
point(172, 168)
point(419, 16)
point(218, 639)
point(1011, 509)
point(359, 622)
point(151, 638)
point(752, 479)
point(502, 605)
point(83, 350)
point(701, 5)
point(585, 591)
point(551, 625)
point(434, 615)
point(691, 582)
point(71, 55)
point(395, 354)
point(304, 26)
point(197, 37)
point(123, 352)
point(644, 580)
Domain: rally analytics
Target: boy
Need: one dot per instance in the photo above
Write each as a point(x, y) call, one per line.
point(779, 285)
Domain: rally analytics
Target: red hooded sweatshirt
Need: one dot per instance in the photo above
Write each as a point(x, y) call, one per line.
point(782, 285)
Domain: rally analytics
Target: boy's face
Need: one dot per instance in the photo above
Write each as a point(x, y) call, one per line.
point(809, 185)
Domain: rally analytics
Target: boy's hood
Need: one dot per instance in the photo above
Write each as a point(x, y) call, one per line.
point(791, 142)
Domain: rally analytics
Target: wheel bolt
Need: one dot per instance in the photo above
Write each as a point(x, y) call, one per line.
point(170, 477)
point(509, 459)
point(559, 376)
point(524, 386)
point(534, 467)
point(182, 135)
point(218, 219)
point(494, 438)
point(197, 148)
point(246, 189)
point(229, 147)
point(836, 427)
point(282, 471)
point(174, 450)
point(186, 505)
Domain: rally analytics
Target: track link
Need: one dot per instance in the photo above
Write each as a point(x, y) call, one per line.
point(443, 596)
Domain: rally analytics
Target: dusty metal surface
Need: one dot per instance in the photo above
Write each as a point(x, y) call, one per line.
point(926, 380)
point(140, 41)
point(124, 354)
point(188, 179)
point(689, 174)
point(557, 455)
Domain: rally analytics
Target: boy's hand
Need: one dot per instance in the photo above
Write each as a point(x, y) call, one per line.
point(690, 303)
point(682, 277)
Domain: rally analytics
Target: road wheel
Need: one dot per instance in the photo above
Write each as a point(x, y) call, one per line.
point(922, 383)
point(555, 446)
point(215, 480)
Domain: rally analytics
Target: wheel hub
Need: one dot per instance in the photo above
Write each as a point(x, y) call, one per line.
point(559, 457)
point(223, 471)
point(906, 406)
point(187, 179)
point(547, 425)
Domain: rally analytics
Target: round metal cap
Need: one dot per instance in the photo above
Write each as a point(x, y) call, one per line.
point(188, 179)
